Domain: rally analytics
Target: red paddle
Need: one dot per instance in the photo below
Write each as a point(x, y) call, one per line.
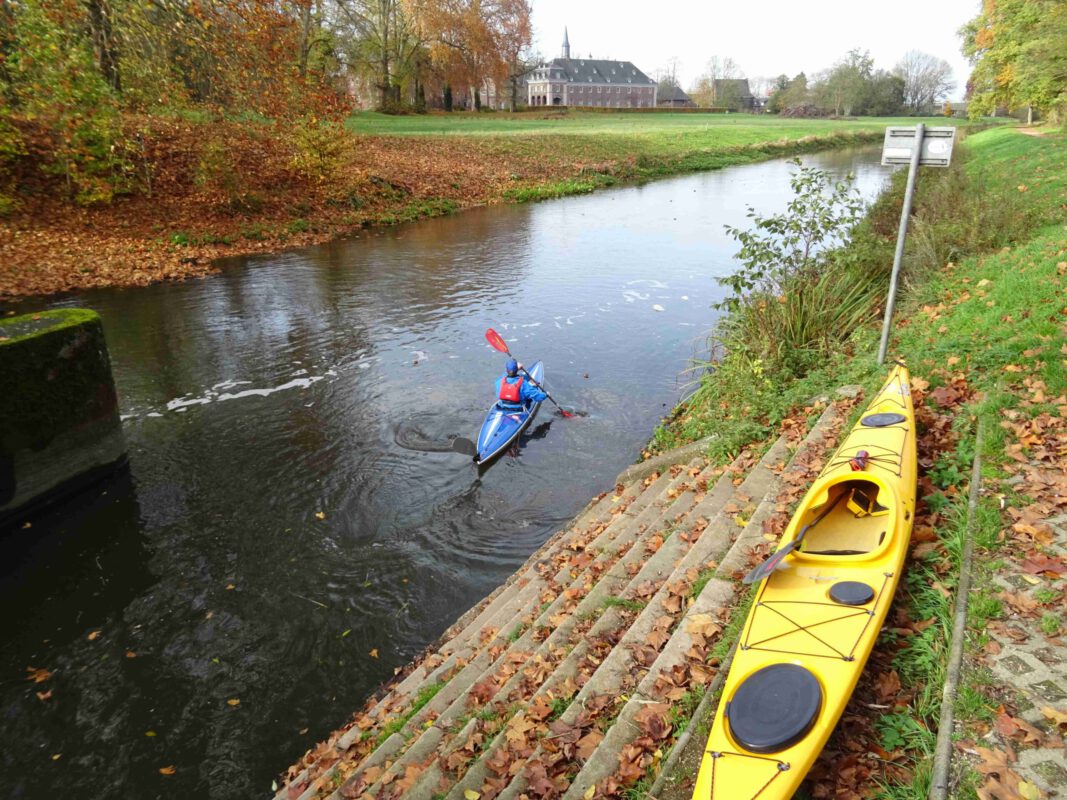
point(498, 343)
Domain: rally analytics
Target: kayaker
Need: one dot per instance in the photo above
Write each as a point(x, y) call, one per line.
point(513, 390)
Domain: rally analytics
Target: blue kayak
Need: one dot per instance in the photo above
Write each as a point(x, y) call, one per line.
point(502, 426)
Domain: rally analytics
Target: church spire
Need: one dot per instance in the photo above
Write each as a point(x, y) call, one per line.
point(566, 44)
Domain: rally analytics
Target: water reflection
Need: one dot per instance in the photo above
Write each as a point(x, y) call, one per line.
point(280, 521)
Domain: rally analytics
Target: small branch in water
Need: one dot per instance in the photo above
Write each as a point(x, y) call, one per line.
point(316, 602)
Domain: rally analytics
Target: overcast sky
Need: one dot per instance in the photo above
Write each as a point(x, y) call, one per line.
point(765, 37)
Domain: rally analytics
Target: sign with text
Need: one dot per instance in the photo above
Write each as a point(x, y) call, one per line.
point(936, 146)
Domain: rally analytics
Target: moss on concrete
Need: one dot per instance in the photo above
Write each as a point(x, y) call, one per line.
point(58, 408)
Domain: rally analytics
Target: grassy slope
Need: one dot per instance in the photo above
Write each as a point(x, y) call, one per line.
point(979, 324)
point(1002, 158)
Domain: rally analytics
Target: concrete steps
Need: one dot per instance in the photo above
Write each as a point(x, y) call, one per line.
point(539, 689)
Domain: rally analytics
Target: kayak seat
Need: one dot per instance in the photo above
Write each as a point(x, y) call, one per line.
point(510, 409)
point(774, 708)
point(850, 522)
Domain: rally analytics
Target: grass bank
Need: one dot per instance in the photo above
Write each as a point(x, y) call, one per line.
point(981, 325)
point(193, 189)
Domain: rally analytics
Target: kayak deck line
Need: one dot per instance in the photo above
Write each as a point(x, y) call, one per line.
point(838, 614)
point(568, 629)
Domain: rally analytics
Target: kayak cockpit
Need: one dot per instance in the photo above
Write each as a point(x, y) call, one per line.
point(849, 517)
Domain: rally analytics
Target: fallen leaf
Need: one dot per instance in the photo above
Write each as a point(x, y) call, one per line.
point(374, 653)
point(320, 515)
point(233, 701)
point(1057, 718)
point(167, 770)
point(42, 696)
point(93, 636)
point(470, 794)
point(38, 675)
point(1038, 563)
point(1018, 729)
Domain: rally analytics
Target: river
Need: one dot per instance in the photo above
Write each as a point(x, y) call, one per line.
point(288, 532)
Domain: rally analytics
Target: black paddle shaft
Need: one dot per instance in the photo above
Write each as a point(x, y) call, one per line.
point(543, 389)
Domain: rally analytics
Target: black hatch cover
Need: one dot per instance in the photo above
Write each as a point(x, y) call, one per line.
point(774, 708)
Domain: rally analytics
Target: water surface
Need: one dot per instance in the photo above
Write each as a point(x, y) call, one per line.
point(277, 540)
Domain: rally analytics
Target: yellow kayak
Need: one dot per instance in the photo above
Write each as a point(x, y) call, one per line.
point(819, 607)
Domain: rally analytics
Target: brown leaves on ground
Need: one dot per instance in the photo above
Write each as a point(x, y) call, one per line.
point(999, 779)
point(51, 245)
point(1018, 730)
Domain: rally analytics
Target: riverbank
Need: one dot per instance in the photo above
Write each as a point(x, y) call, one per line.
point(577, 678)
point(199, 190)
point(979, 333)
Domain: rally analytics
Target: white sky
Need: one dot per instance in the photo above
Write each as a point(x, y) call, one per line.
point(765, 37)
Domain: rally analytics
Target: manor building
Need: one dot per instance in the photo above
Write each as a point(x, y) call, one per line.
point(596, 83)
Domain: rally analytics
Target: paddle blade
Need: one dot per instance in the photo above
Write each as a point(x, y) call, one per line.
point(464, 446)
point(496, 341)
point(770, 565)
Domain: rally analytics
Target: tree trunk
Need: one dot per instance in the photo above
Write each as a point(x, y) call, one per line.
point(477, 100)
point(383, 64)
point(305, 37)
point(107, 56)
point(448, 97)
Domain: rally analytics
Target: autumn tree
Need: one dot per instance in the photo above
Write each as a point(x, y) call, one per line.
point(667, 75)
point(383, 38)
point(708, 89)
point(927, 79)
point(844, 88)
point(50, 77)
point(478, 43)
point(1019, 52)
point(778, 87)
point(884, 96)
point(795, 98)
point(69, 69)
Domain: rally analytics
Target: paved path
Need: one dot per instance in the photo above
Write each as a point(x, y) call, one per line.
point(1027, 650)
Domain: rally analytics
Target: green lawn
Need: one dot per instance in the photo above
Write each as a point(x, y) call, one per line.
point(625, 146)
point(712, 129)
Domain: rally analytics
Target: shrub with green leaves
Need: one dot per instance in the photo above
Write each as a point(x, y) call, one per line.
point(52, 81)
point(11, 149)
point(778, 316)
point(780, 248)
point(319, 147)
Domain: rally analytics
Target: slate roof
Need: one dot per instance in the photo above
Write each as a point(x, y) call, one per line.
point(602, 71)
point(672, 94)
point(737, 86)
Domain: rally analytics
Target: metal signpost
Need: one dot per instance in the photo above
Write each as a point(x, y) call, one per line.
point(919, 147)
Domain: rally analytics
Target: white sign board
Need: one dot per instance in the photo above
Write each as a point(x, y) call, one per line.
point(936, 147)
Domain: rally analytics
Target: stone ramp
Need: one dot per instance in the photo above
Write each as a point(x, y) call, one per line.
point(546, 688)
